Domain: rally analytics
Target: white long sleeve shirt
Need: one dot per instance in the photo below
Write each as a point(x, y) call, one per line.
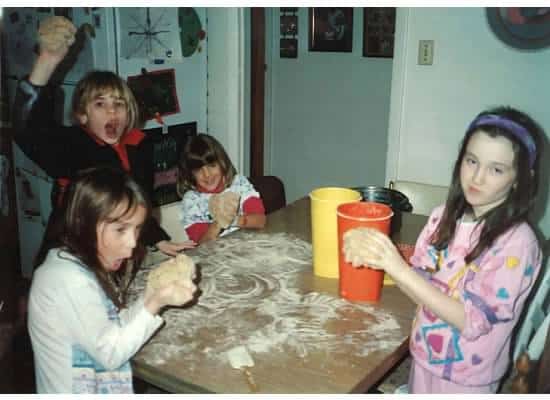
point(81, 343)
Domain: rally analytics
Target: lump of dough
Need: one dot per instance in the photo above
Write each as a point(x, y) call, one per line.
point(180, 268)
point(223, 207)
point(353, 247)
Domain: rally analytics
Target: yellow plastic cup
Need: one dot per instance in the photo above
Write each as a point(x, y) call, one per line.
point(324, 227)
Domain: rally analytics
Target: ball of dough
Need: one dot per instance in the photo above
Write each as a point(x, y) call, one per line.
point(354, 247)
point(180, 268)
point(223, 207)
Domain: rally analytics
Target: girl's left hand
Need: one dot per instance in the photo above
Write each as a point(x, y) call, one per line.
point(172, 249)
point(372, 248)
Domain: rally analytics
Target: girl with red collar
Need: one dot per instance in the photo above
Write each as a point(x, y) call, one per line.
point(204, 171)
point(106, 133)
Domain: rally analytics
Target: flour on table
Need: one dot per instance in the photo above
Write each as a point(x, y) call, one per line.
point(250, 296)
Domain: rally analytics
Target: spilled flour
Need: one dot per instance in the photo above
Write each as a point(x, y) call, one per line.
point(251, 297)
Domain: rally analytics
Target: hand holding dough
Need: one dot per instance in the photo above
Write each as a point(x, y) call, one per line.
point(355, 247)
point(180, 268)
point(55, 35)
point(223, 207)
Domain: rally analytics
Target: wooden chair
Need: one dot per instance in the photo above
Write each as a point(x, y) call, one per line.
point(423, 197)
point(533, 365)
point(272, 191)
point(531, 340)
point(537, 311)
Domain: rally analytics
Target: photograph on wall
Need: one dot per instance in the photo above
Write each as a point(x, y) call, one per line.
point(289, 48)
point(378, 31)
point(289, 25)
point(155, 92)
point(330, 29)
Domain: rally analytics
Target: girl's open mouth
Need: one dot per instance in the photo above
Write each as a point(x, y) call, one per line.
point(111, 129)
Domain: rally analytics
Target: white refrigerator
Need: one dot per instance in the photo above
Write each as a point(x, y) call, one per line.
point(106, 42)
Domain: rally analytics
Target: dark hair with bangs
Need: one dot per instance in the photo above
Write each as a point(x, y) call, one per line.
point(521, 198)
point(96, 83)
point(201, 150)
point(93, 197)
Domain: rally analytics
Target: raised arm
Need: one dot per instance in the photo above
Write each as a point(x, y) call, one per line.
point(55, 37)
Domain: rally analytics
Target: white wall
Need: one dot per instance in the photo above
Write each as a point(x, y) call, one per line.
point(329, 113)
point(472, 70)
point(226, 69)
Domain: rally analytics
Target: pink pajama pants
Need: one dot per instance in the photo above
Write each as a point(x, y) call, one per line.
point(423, 381)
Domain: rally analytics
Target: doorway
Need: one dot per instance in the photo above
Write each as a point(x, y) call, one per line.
point(257, 88)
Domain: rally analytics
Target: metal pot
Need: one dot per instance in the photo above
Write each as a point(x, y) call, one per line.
point(394, 198)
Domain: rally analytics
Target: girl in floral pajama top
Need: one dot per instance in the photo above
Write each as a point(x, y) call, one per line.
point(205, 170)
point(475, 261)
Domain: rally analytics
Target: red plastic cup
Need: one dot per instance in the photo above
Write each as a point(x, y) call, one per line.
point(362, 283)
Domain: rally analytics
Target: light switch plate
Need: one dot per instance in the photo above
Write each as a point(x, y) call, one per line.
point(425, 52)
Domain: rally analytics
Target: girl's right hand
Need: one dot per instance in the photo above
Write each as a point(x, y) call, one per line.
point(173, 294)
point(55, 36)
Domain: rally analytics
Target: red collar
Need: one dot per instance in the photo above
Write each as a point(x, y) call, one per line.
point(133, 137)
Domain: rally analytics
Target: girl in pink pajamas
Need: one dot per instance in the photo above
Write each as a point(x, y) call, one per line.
point(475, 261)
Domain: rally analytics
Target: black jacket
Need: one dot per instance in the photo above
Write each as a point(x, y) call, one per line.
point(62, 151)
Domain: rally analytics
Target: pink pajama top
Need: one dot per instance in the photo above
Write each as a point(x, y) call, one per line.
point(493, 289)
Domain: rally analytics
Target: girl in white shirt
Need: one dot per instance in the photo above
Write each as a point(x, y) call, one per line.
point(82, 332)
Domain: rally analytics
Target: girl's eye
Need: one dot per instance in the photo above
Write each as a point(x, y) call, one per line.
point(98, 104)
point(497, 171)
point(470, 161)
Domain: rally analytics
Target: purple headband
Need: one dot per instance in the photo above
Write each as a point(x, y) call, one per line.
point(518, 131)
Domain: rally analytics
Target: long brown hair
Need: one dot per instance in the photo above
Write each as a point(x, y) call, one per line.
point(521, 198)
point(201, 150)
point(93, 197)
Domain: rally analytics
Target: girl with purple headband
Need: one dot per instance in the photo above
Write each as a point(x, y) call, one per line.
point(475, 261)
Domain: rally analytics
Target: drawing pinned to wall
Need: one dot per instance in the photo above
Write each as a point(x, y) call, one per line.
point(149, 33)
point(18, 39)
point(155, 92)
point(191, 32)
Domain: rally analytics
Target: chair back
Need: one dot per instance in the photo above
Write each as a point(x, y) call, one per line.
point(423, 197)
point(537, 312)
point(532, 366)
point(272, 191)
point(169, 217)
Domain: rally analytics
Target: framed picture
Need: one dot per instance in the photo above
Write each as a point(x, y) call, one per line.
point(330, 29)
point(289, 25)
point(155, 92)
point(378, 31)
point(289, 48)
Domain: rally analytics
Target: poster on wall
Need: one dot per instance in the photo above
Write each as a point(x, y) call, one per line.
point(155, 92)
point(167, 148)
point(149, 33)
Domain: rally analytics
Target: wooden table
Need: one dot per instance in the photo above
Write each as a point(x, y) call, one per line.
point(259, 290)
